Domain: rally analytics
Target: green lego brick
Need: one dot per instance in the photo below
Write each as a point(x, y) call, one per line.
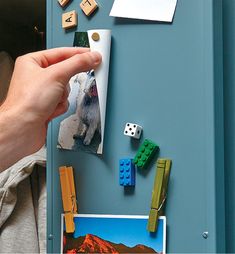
point(153, 220)
point(145, 153)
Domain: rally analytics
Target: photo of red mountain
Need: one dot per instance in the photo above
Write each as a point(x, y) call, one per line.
point(113, 234)
point(94, 244)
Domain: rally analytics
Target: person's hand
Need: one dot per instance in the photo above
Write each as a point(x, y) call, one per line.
point(39, 90)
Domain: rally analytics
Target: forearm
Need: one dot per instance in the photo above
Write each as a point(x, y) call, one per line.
point(38, 93)
point(15, 137)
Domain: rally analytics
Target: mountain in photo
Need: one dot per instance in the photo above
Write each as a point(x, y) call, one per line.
point(94, 244)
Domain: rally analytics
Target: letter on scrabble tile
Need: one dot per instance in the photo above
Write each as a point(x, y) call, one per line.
point(88, 6)
point(69, 19)
point(63, 2)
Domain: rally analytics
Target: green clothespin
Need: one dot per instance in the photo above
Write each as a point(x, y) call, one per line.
point(159, 193)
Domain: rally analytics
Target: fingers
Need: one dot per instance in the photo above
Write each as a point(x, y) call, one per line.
point(64, 70)
point(63, 105)
point(48, 57)
point(60, 109)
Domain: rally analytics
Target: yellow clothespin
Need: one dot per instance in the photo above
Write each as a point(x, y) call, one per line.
point(159, 193)
point(68, 197)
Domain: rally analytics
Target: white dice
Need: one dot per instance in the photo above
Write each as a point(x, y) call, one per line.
point(133, 130)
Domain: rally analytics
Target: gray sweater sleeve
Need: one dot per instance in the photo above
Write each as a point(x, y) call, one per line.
point(22, 206)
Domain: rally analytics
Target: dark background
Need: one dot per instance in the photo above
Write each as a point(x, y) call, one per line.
point(18, 19)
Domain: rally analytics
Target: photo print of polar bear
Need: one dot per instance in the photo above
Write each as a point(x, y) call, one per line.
point(83, 126)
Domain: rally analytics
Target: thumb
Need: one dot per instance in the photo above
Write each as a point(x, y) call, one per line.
point(63, 71)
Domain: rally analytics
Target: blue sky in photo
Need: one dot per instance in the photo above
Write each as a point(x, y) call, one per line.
point(120, 230)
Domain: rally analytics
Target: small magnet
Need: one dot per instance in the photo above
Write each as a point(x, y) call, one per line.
point(95, 36)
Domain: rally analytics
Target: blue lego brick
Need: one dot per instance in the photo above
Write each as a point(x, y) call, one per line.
point(126, 172)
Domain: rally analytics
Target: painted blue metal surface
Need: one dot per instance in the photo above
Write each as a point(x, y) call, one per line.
point(229, 120)
point(168, 79)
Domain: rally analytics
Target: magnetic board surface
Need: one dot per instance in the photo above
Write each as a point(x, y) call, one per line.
point(168, 79)
point(229, 120)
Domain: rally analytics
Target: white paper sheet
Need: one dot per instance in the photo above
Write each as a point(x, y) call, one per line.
point(101, 73)
point(156, 10)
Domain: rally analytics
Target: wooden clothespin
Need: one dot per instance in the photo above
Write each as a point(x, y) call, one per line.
point(68, 197)
point(159, 193)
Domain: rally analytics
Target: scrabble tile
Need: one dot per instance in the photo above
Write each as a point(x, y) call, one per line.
point(69, 19)
point(88, 6)
point(63, 2)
